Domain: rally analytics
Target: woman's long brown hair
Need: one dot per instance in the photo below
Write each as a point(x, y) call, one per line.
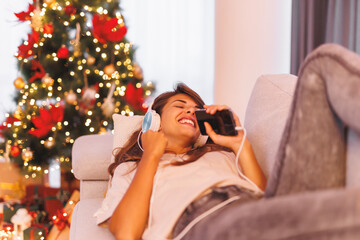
point(131, 150)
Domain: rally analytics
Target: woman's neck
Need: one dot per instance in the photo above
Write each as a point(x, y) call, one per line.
point(178, 148)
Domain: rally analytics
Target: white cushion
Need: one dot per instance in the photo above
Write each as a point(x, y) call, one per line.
point(124, 126)
point(266, 115)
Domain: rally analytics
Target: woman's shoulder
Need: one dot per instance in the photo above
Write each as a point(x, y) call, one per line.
point(125, 168)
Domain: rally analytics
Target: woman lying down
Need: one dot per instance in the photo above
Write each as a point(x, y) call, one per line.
point(164, 182)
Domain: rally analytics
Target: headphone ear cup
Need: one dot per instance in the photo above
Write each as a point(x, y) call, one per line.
point(151, 121)
point(201, 141)
point(155, 124)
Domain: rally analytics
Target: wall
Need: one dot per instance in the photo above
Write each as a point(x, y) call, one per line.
point(251, 38)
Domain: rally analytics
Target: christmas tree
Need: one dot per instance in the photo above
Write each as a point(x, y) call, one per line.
point(76, 69)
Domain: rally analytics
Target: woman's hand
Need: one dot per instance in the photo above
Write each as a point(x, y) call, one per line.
point(232, 142)
point(154, 143)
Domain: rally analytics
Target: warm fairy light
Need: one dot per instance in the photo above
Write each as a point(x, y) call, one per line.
point(33, 175)
point(98, 49)
point(88, 121)
point(80, 67)
point(78, 90)
point(66, 123)
point(100, 10)
point(67, 134)
point(91, 129)
point(89, 113)
point(46, 171)
point(147, 92)
point(41, 43)
point(105, 123)
point(108, 85)
point(88, 33)
point(103, 55)
point(101, 84)
point(83, 61)
point(138, 85)
point(59, 80)
point(123, 112)
point(97, 95)
point(26, 164)
point(72, 73)
point(59, 8)
point(59, 88)
point(82, 14)
point(50, 94)
point(101, 73)
point(95, 40)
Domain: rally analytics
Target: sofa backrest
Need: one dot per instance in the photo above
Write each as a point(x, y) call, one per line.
point(266, 115)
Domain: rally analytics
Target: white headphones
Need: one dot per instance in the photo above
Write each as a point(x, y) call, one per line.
point(152, 122)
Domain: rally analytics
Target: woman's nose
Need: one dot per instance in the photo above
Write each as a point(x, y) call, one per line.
point(191, 110)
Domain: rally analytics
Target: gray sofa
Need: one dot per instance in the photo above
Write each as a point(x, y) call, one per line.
point(330, 213)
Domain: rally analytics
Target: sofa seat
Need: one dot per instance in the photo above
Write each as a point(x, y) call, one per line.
point(86, 224)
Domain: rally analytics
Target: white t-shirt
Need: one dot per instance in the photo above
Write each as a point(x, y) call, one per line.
point(175, 187)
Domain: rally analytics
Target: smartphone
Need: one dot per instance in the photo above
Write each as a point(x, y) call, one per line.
point(222, 122)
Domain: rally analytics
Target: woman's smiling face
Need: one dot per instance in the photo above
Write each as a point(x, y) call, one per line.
point(178, 118)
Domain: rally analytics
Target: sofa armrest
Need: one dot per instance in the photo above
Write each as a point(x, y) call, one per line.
point(91, 156)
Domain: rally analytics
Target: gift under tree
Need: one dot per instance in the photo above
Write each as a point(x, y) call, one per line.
point(76, 68)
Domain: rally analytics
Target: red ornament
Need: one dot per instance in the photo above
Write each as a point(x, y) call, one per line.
point(25, 50)
point(134, 97)
point(70, 10)
point(61, 219)
point(48, 28)
point(15, 151)
point(38, 69)
point(25, 16)
point(108, 29)
point(47, 119)
point(63, 52)
point(88, 98)
point(4, 125)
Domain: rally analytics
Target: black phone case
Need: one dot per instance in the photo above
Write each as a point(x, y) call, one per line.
point(222, 122)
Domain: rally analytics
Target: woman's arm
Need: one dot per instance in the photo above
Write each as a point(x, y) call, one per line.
point(247, 160)
point(130, 216)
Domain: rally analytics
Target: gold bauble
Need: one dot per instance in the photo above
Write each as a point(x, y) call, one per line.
point(49, 143)
point(36, 20)
point(138, 73)
point(50, 3)
point(47, 80)
point(17, 113)
point(77, 53)
point(109, 69)
point(19, 83)
point(27, 154)
point(70, 97)
point(90, 60)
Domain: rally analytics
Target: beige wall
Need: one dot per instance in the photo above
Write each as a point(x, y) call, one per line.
point(251, 38)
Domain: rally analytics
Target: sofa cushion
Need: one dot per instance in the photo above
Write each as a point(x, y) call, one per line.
point(124, 126)
point(83, 223)
point(266, 115)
